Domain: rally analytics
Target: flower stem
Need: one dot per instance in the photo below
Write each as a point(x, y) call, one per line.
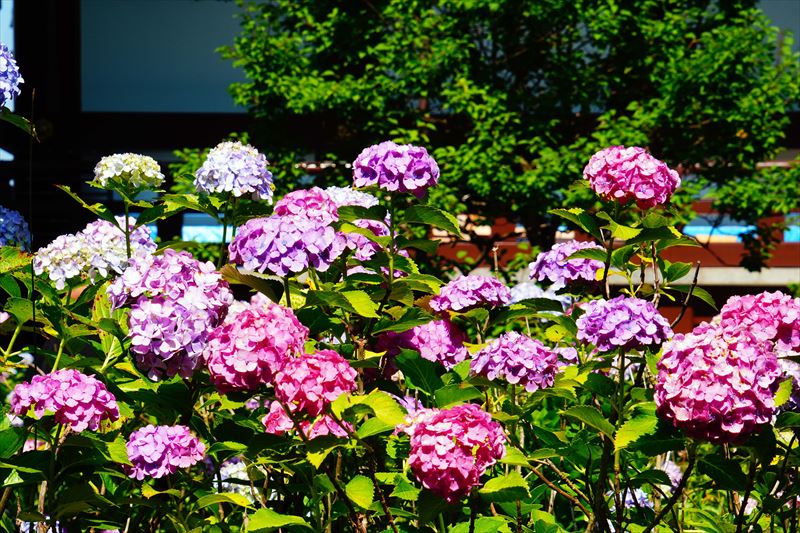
point(126, 228)
point(287, 291)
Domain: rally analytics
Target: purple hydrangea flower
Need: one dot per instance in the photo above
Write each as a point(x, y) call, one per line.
point(9, 76)
point(622, 323)
point(717, 385)
point(623, 174)
point(236, 168)
point(396, 167)
point(517, 359)
point(127, 172)
point(342, 196)
point(310, 382)
point(14, 231)
point(176, 302)
point(284, 245)
point(467, 292)
point(78, 400)
point(96, 251)
point(245, 353)
point(554, 265)
point(311, 203)
point(439, 341)
point(158, 451)
point(452, 448)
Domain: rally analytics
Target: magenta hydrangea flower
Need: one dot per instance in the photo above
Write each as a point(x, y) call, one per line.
point(452, 449)
point(554, 265)
point(311, 203)
point(623, 322)
point(284, 245)
point(236, 168)
point(175, 302)
point(77, 400)
point(467, 292)
point(158, 451)
point(245, 353)
point(623, 174)
point(310, 382)
point(769, 316)
point(396, 167)
point(278, 422)
point(717, 385)
point(518, 359)
point(439, 341)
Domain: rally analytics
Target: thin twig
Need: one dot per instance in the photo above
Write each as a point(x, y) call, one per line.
point(678, 490)
point(561, 491)
point(688, 295)
point(751, 479)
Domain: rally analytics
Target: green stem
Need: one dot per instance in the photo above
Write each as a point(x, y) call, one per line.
point(287, 291)
point(126, 229)
point(58, 355)
point(7, 351)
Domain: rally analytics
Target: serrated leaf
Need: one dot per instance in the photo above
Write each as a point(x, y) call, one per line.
point(726, 473)
point(697, 292)
point(431, 216)
point(414, 316)
point(270, 286)
point(20, 308)
point(509, 487)
point(362, 303)
point(360, 491)
point(100, 210)
point(13, 259)
point(148, 491)
point(405, 490)
point(419, 373)
point(349, 213)
point(266, 520)
point(373, 426)
point(118, 451)
point(633, 429)
point(591, 417)
point(580, 218)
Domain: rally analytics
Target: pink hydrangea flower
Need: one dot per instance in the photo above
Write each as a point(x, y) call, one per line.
point(467, 292)
point(717, 385)
point(396, 167)
point(77, 400)
point(245, 353)
point(312, 203)
point(439, 341)
point(310, 382)
point(623, 174)
point(517, 359)
point(769, 316)
point(554, 266)
point(623, 322)
point(278, 422)
point(157, 451)
point(452, 449)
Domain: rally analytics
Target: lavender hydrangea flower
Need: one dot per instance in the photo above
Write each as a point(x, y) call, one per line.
point(717, 385)
point(236, 168)
point(624, 174)
point(129, 172)
point(467, 292)
point(622, 323)
point(9, 76)
point(311, 203)
point(439, 341)
point(158, 451)
point(554, 265)
point(175, 302)
point(14, 231)
point(517, 359)
point(284, 245)
point(396, 167)
point(96, 251)
point(78, 400)
point(342, 196)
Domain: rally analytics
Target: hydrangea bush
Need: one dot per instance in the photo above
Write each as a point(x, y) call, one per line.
point(324, 376)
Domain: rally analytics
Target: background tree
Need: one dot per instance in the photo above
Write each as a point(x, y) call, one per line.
point(515, 96)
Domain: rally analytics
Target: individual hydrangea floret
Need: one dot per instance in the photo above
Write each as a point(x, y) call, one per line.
point(518, 359)
point(245, 353)
point(396, 167)
point(77, 400)
point(452, 448)
point(310, 382)
point(717, 385)
point(175, 302)
point(467, 292)
point(14, 230)
point(285, 245)
point(439, 341)
point(158, 451)
point(9, 76)
point(96, 251)
point(622, 323)
point(311, 203)
point(769, 316)
point(623, 174)
point(342, 196)
point(554, 265)
point(236, 168)
point(129, 172)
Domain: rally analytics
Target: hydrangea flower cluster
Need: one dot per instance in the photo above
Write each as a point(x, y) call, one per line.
point(278, 422)
point(311, 203)
point(78, 400)
point(236, 168)
point(554, 265)
point(9, 76)
point(623, 322)
point(439, 341)
point(285, 245)
point(309, 382)
point(128, 172)
point(624, 174)
point(528, 290)
point(98, 249)
point(176, 302)
point(14, 230)
point(716, 385)
point(452, 449)
point(769, 316)
point(517, 359)
point(342, 196)
point(467, 292)
point(396, 167)
point(157, 451)
point(235, 478)
point(245, 353)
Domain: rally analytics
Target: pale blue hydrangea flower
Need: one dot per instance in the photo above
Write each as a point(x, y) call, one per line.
point(236, 168)
point(9, 76)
